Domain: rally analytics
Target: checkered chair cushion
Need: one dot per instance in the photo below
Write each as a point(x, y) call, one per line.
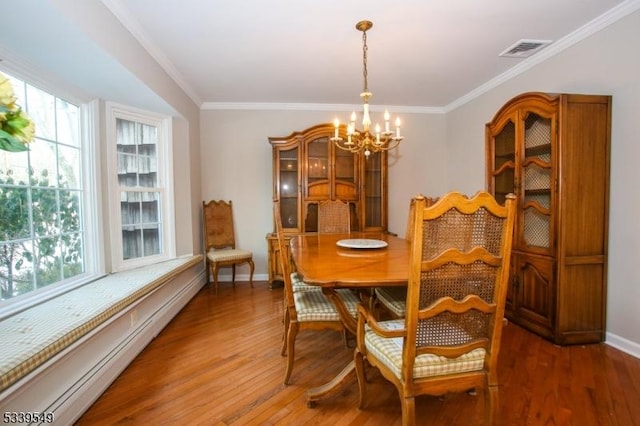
point(312, 305)
point(228, 254)
point(299, 285)
point(394, 299)
point(389, 352)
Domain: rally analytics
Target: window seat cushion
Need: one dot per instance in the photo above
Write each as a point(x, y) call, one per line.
point(31, 337)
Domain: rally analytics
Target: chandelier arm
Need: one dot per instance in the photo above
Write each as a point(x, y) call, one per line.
point(365, 141)
point(394, 143)
point(354, 147)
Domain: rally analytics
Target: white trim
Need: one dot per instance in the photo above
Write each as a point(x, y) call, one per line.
point(72, 380)
point(240, 278)
point(625, 345)
point(92, 210)
point(165, 184)
point(257, 106)
point(92, 235)
point(169, 217)
point(611, 16)
point(597, 24)
point(133, 26)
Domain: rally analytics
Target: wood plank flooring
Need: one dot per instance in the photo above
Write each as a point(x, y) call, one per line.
point(218, 363)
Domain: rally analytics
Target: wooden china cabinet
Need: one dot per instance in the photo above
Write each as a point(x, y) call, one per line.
point(553, 152)
point(309, 168)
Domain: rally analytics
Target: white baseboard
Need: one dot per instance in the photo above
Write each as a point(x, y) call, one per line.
point(625, 345)
point(226, 278)
point(71, 381)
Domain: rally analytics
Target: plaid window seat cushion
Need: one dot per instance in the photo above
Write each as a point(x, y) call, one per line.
point(389, 351)
point(31, 337)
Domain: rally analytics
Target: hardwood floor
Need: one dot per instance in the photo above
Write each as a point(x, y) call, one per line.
point(218, 363)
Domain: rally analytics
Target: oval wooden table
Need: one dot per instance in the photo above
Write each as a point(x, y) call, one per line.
point(321, 261)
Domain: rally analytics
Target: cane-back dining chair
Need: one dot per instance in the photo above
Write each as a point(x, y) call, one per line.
point(393, 299)
point(450, 337)
point(220, 243)
point(306, 309)
point(334, 217)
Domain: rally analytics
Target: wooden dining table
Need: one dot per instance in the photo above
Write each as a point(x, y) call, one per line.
point(359, 261)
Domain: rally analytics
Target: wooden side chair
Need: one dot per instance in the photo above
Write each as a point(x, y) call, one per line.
point(450, 338)
point(308, 309)
point(219, 241)
point(393, 299)
point(334, 217)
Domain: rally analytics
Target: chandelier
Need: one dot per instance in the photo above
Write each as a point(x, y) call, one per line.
point(365, 141)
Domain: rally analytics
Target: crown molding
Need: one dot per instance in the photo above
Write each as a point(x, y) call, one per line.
point(131, 24)
point(611, 16)
point(263, 106)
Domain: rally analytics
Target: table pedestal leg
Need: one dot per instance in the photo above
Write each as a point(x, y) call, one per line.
point(349, 371)
point(315, 394)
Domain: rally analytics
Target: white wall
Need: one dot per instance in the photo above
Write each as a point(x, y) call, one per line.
point(446, 152)
point(69, 382)
point(236, 164)
point(98, 23)
point(608, 62)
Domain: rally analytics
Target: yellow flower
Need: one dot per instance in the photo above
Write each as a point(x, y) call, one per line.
point(28, 132)
point(7, 98)
point(16, 128)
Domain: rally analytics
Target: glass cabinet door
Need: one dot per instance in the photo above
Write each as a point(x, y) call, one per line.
point(536, 182)
point(317, 177)
point(318, 161)
point(309, 168)
point(373, 191)
point(288, 175)
point(504, 162)
point(345, 171)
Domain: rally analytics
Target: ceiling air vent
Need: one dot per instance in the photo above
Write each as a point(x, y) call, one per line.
point(525, 48)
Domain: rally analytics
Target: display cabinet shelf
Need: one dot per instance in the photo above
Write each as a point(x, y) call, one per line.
point(308, 168)
point(553, 152)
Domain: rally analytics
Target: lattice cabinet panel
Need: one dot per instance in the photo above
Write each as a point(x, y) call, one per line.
point(308, 169)
point(553, 152)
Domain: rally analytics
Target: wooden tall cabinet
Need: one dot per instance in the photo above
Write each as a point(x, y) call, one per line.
point(553, 152)
point(309, 168)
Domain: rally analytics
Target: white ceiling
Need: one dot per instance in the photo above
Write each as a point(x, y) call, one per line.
point(422, 53)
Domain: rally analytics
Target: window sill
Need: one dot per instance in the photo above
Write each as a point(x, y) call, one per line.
point(35, 335)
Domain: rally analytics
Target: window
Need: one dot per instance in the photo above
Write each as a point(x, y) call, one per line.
point(140, 200)
point(43, 232)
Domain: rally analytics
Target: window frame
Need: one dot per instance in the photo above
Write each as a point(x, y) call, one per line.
point(162, 123)
point(91, 202)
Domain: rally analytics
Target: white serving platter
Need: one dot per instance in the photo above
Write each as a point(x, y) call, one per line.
point(362, 243)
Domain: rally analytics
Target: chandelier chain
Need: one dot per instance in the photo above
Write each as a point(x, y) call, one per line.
point(364, 61)
point(366, 141)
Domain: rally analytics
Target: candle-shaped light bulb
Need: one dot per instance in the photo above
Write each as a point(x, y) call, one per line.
point(386, 120)
point(398, 127)
point(353, 117)
point(336, 123)
point(366, 118)
point(377, 134)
